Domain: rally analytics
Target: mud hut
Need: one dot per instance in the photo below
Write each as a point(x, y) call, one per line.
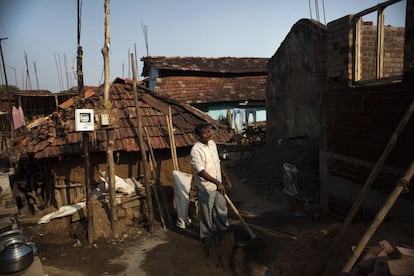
point(51, 169)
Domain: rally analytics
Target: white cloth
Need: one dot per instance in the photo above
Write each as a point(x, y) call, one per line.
point(62, 212)
point(205, 157)
point(239, 119)
point(18, 117)
point(123, 186)
point(182, 186)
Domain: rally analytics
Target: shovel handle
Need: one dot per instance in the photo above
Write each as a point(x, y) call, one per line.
point(246, 226)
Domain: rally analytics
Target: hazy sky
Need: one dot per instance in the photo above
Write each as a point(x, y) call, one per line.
point(45, 31)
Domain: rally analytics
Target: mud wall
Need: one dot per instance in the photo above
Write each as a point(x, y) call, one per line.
point(69, 173)
point(296, 75)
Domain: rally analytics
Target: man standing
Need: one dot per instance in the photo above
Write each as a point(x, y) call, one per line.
point(209, 175)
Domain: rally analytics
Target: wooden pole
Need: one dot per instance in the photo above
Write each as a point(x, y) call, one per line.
point(401, 186)
point(105, 53)
point(172, 139)
point(167, 118)
point(110, 132)
point(368, 183)
point(154, 175)
point(246, 226)
point(374, 173)
point(163, 196)
point(142, 150)
point(157, 179)
point(88, 189)
point(85, 141)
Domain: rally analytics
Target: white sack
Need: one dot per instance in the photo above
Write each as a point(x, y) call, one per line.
point(182, 186)
point(121, 185)
point(290, 179)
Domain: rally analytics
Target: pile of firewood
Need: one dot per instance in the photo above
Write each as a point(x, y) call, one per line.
point(385, 259)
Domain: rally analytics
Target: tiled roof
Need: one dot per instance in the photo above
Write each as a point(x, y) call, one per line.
point(204, 64)
point(195, 80)
point(55, 135)
point(193, 90)
point(7, 98)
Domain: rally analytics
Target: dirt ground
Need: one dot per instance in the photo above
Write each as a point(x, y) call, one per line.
point(292, 234)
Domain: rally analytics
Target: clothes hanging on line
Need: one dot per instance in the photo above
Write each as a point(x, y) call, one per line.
point(18, 117)
point(238, 122)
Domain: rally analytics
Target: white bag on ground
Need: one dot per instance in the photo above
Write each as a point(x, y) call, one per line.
point(182, 186)
point(290, 179)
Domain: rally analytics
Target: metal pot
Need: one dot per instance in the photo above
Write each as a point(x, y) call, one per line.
point(15, 254)
point(10, 234)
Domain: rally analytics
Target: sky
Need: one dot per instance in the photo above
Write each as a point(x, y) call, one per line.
point(41, 46)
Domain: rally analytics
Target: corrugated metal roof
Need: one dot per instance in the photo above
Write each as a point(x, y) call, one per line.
point(56, 136)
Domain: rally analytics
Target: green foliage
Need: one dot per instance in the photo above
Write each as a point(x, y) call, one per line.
point(11, 88)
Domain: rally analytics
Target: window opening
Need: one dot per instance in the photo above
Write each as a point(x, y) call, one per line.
point(379, 42)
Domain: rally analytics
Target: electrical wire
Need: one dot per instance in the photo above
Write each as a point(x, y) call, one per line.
point(317, 10)
point(323, 7)
point(310, 9)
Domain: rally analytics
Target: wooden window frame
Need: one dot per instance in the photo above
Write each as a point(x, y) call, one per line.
point(356, 45)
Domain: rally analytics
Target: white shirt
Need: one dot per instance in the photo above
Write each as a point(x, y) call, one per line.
point(205, 157)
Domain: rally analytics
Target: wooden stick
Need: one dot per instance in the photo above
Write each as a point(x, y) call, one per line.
point(163, 197)
point(143, 152)
point(401, 186)
point(374, 173)
point(246, 226)
point(154, 175)
point(273, 231)
point(157, 178)
point(111, 181)
point(157, 201)
point(172, 140)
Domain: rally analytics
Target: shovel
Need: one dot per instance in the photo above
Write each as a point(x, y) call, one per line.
point(249, 231)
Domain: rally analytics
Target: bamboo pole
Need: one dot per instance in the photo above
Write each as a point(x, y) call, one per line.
point(374, 173)
point(142, 150)
point(163, 197)
point(157, 179)
point(172, 139)
point(167, 118)
point(368, 183)
point(154, 175)
point(401, 186)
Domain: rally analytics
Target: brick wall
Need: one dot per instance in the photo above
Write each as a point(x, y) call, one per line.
point(358, 121)
point(393, 51)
